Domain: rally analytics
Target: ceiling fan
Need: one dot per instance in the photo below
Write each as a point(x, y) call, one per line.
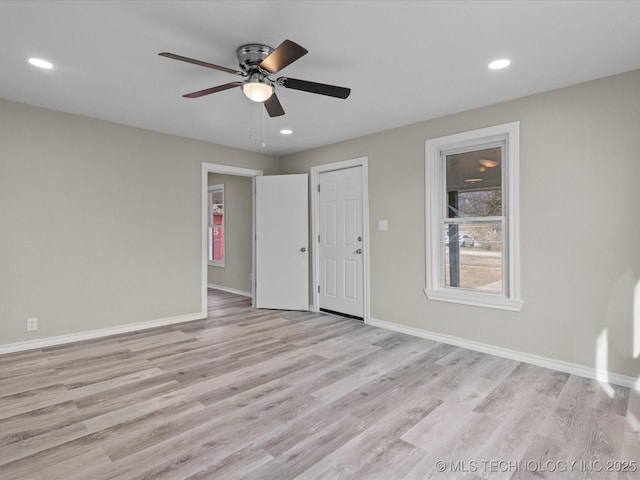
point(257, 63)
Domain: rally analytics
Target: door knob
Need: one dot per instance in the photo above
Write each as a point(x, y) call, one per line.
point(303, 249)
point(359, 251)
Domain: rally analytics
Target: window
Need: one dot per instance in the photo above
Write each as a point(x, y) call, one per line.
point(472, 218)
point(216, 225)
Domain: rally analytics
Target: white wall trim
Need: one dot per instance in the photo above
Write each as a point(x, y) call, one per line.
point(435, 180)
point(229, 170)
point(100, 333)
point(546, 362)
point(315, 226)
point(229, 290)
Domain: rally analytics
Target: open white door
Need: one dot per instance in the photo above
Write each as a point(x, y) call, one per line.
point(282, 237)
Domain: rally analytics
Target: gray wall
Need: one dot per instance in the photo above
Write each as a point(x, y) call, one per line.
point(580, 174)
point(100, 223)
point(238, 205)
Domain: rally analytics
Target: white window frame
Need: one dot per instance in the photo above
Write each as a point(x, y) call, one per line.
point(217, 263)
point(435, 181)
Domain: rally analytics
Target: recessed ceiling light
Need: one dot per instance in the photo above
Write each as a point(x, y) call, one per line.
point(498, 64)
point(40, 63)
point(286, 131)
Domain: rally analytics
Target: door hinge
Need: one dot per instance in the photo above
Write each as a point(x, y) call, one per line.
point(318, 238)
point(318, 188)
point(318, 288)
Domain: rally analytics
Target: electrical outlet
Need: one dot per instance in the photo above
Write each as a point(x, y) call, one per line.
point(32, 324)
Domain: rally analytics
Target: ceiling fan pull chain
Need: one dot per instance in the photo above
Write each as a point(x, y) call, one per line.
point(250, 120)
point(264, 144)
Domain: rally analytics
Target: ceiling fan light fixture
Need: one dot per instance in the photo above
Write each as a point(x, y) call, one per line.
point(257, 88)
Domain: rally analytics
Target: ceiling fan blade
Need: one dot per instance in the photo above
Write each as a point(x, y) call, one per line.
point(285, 54)
point(208, 91)
point(272, 104)
point(201, 63)
point(313, 87)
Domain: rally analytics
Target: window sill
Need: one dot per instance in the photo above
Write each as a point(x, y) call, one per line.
point(476, 299)
point(216, 264)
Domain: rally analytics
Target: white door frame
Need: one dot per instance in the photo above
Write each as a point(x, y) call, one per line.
point(226, 170)
point(315, 226)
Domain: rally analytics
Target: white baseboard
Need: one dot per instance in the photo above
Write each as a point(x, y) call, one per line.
point(546, 362)
point(229, 290)
point(92, 334)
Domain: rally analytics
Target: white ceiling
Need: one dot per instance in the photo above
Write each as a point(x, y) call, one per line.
point(404, 61)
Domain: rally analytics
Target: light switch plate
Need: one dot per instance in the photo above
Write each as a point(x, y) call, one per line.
point(383, 225)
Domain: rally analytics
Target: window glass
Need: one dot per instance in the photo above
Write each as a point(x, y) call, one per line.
point(474, 183)
point(216, 224)
point(476, 256)
point(473, 249)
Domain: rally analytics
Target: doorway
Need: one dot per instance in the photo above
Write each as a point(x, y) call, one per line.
point(340, 228)
point(208, 168)
point(275, 223)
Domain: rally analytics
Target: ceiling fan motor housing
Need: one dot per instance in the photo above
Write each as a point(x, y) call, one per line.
point(251, 55)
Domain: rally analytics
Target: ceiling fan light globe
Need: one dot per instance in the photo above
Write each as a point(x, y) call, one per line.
point(257, 92)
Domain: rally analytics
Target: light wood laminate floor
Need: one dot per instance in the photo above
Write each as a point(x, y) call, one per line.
point(262, 394)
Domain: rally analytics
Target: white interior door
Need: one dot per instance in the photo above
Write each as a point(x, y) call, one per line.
point(341, 242)
point(282, 237)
